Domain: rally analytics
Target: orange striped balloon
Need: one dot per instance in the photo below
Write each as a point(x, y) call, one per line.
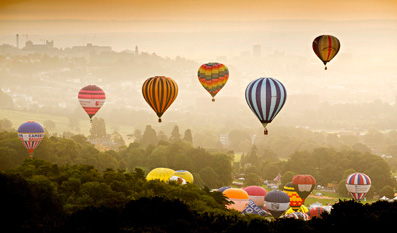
point(159, 92)
point(91, 98)
point(213, 76)
point(326, 47)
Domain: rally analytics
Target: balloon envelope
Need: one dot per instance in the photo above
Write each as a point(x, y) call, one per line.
point(159, 92)
point(277, 202)
point(186, 175)
point(221, 189)
point(295, 200)
point(238, 196)
point(91, 98)
point(303, 185)
point(326, 47)
point(162, 174)
point(316, 212)
point(31, 134)
point(298, 215)
point(256, 194)
point(358, 184)
point(265, 97)
point(213, 76)
point(178, 180)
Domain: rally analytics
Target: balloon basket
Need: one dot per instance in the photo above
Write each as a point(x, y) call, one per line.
point(213, 99)
point(159, 120)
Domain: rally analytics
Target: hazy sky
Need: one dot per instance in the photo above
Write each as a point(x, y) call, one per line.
point(198, 9)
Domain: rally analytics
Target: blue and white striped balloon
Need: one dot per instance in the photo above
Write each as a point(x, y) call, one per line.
point(265, 97)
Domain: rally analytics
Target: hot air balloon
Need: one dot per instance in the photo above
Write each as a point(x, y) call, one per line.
point(276, 202)
point(303, 185)
point(238, 196)
point(256, 194)
point(316, 212)
point(221, 189)
point(298, 215)
point(265, 97)
point(31, 133)
point(358, 184)
point(178, 180)
point(301, 208)
point(326, 47)
point(186, 175)
point(159, 92)
point(91, 98)
point(294, 199)
point(162, 174)
point(213, 76)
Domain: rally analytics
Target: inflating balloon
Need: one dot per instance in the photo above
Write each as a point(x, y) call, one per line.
point(186, 175)
point(294, 199)
point(238, 196)
point(162, 174)
point(256, 194)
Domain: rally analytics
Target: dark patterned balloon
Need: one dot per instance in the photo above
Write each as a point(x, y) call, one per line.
point(326, 47)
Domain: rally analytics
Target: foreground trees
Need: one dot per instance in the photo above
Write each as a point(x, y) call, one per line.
point(42, 197)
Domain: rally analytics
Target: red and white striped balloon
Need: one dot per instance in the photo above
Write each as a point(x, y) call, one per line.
point(91, 98)
point(358, 185)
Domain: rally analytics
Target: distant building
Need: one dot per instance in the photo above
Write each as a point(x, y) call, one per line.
point(257, 51)
point(38, 47)
point(224, 139)
point(136, 50)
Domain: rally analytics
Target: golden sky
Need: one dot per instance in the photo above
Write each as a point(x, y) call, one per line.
point(198, 9)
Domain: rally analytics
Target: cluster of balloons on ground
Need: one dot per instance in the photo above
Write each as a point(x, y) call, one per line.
point(288, 203)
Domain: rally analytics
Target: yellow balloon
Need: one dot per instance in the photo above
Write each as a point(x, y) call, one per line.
point(187, 176)
point(301, 208)
point(162, 174)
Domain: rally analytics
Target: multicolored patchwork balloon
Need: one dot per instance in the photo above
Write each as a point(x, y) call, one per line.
point(159, 92)
point(358, 185)
point(295, 200)
point(213, 76)
point(31, 133)
point(91, 98)
point(326, 47)
point(265, 97)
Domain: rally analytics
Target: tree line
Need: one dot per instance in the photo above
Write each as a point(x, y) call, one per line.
point(39, 196)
